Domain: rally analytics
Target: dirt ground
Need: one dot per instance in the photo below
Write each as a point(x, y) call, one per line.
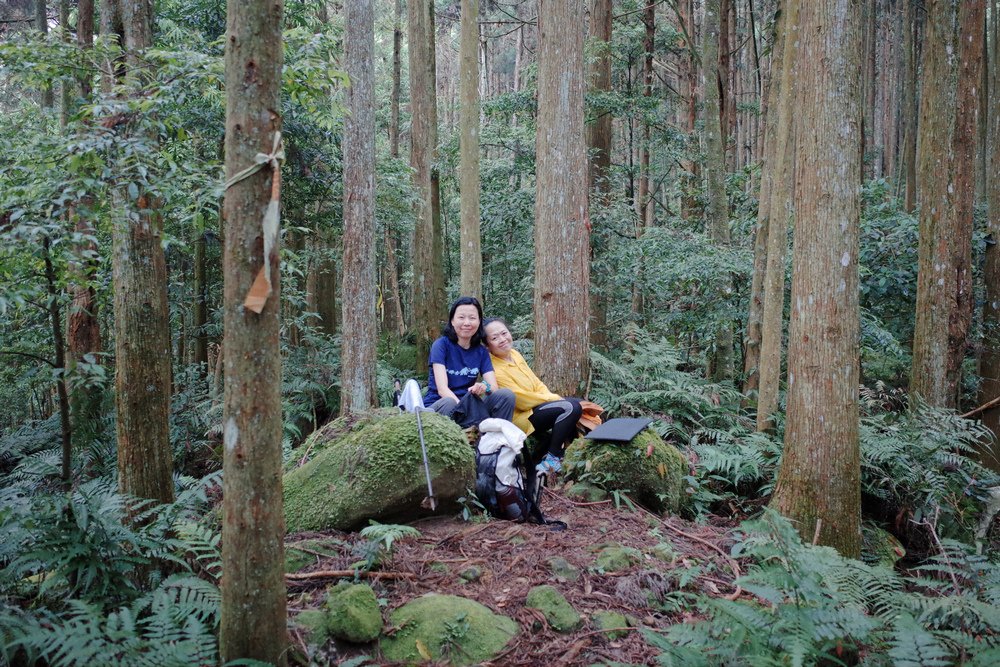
point(676, 556)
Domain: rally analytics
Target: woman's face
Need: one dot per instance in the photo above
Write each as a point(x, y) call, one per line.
point(465, 321)
point(498, 339)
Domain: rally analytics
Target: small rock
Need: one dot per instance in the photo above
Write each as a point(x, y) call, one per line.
point(557, 611)
point(563, 569)
point(471, 573)
point(611, 622)
point(615, 558)
point(354, 614)
point(584, 492)
point(314, 621)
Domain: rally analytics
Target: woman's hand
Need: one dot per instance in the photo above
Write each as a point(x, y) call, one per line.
point(478, 389)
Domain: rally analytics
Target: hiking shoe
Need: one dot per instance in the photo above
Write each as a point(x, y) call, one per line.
point(549, 464)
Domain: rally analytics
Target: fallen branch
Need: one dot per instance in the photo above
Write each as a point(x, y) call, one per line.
point(982, 408)
point(574, 651)
point(343, 574)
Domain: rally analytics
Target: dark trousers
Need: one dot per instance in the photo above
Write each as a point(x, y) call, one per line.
point(557, 419)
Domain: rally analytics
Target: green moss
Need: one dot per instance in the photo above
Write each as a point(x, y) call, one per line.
point(315, 623)
point(446, 627)
point(664, 552)
point(610, 621)
point(375, 471)
point(300, 554)
point(649, 469)
point(353, 613)
point(615, 558)
point(557, 611)
point(880, 547)
point(584, 492)
point(563, 569)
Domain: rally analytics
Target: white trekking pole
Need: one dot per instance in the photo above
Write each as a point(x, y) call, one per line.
point(410, 400)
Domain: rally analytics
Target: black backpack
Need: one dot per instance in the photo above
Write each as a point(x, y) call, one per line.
point(515, 502)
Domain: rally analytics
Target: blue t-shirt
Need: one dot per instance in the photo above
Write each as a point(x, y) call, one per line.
point(463, 367)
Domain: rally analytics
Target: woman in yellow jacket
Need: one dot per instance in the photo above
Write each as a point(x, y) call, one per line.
point(535, 407)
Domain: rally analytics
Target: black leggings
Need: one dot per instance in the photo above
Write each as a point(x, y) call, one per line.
point(559, 417)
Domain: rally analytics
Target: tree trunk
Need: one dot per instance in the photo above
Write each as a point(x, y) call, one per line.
point(599, 149)
point(427, 307)
point(321, 283)
point(253, 623)
point(819, 484)
point(771, 106)
point(42, 25)
point(142, 315)
point(781, 210)
point(720, 363)
point(989, 362)
point(562, 226)
point(357, 358)
point(908, 168)
point(85, 38)
point(937, 274)
point(643, 201)
point(868, 34)
point(200, 323)
point(971, 17)
point(691, 175)
point(394, 323)
point(55, 320)
point(471, 281)
point(397, 49)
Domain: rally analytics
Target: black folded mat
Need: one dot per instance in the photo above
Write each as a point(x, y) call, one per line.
point(622, 429)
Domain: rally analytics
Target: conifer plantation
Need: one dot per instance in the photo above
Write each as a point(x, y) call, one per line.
point(762, 234)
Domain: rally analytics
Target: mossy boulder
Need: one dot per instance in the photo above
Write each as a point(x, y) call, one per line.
point(558, 612)
point(353, 613)
point(879, 546)
point(374, 470)
point(435, 627)
point(611, 622)
point(650, 470)
point(304, 552)
point(562, 569)
point(587, 493)
point(314, 622)
point(615, 558)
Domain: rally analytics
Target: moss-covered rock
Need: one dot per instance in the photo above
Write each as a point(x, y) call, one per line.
point(880, 547)
point(587, 493)
point(353, 613)
point(611, 622)
point(304, 552)
point(375, 471)
point(615, 558)
point(650, 470)
point(563, 569)
point(314, 621)
point(558, 612)
point(435, 627)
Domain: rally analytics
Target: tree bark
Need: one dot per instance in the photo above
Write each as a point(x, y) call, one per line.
point(394, 324)
point(321, 283)
point(819, 484)
point(471, 281)
point(869, 31)
point(397, 49)
point(599, 133)
point(720, 362)
point(357, 359)
point(200, 306)
point(643, 201)
point(781, 211)
point(253, 624)
point(59, 347)
point(85, 38)
point(142, 314)
point(427, 306)
point(562, 226)
point(989, 361)
point(908, 167)
point(42, 25)
point(937, 273)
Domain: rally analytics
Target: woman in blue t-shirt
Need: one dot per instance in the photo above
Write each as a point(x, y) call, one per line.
point(457, 360)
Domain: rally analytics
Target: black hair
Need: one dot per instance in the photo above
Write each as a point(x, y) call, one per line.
point(449, 331)
point(491, 320)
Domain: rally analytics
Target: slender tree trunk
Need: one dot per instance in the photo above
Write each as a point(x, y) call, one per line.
point(868, 11)
point(42, 25)
point(989, 361)
point(971, 24)
point(397, 49)
point(55, 320)
point(85, 38)
point(562, 226)
point(200, 323)
point(643, 201)
point(771, 105)
point(427, 306)
point(83, 325)
point(357, 359)
point(819, 484)
point(599, 133)
point(142, 315)
point(253, 584)
point(908, 168)
point(781, 210)
point(720, 365)
point(937, 277)
point(471, 281)
point(395, 324)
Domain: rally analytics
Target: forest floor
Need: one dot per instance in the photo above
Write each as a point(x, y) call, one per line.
point(670, 555)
